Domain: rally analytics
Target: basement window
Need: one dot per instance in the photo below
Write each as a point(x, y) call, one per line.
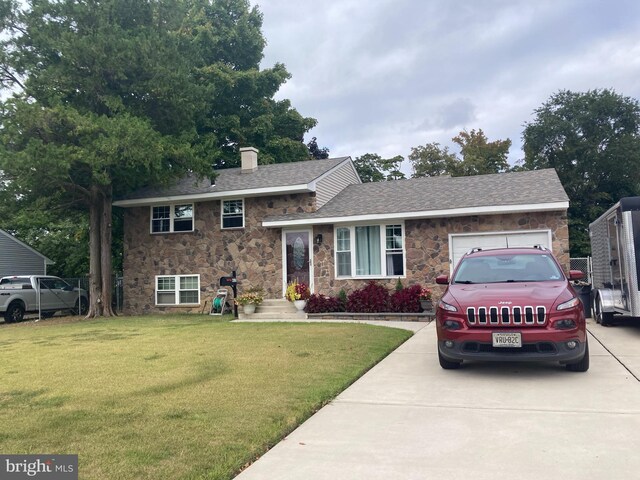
point(178, 290)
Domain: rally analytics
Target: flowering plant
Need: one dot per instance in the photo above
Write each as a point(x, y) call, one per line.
point(425, 294)
point(253, 295)
point(297, 291)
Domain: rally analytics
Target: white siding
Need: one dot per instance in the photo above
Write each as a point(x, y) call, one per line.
point(329, 186)
point(18, 259)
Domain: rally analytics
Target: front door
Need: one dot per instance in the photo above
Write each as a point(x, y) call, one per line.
point(297, 258)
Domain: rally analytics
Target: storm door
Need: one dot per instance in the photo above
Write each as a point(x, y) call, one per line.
point(297, 258)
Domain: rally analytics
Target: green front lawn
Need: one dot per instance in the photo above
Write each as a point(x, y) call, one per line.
point(172, 397)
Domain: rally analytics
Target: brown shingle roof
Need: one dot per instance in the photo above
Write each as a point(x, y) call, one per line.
point(440, 193)
point(232, 179)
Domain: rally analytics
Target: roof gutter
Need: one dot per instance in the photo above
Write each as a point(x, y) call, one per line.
point(452, 212)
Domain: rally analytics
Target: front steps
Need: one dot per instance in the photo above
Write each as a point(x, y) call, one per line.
point(273, 309)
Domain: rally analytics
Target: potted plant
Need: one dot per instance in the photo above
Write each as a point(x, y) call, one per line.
point(426, 300)
point(298, 293)
point(250, 300)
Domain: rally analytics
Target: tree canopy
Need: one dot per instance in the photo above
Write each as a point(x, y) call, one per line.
point(315, 151)
point(592, 139)
point(107, 96)
point(432, 160)
point(371, 167)
point(478, 156)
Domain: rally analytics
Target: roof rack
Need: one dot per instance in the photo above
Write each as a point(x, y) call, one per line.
point(474, 250)
point(540, 247)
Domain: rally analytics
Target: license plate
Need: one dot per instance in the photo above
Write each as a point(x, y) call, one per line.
point(504, 339)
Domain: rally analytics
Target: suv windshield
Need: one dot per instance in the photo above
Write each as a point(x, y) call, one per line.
point(507, 268)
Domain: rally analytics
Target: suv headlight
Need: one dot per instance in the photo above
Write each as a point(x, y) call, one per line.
point(447, 307)
point(574, 302)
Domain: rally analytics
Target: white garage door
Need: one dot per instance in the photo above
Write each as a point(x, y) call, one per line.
point(461, 244)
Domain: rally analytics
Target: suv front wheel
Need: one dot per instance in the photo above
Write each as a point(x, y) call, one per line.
point(447, 364)
point(583, 364)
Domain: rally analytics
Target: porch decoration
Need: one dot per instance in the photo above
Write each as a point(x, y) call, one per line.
point(426, 300)
point(298, 293)
point(250, 300)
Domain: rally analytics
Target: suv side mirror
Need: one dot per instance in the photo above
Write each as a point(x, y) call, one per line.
point(576, 275)
point(442, 279)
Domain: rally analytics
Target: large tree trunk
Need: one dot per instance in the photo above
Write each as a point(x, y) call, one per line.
point(105, 251)
point(100, 281)
point(95, 267)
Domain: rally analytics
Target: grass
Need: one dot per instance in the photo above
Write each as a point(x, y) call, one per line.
point(172, 397)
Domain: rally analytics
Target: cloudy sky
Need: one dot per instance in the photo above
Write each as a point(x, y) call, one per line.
point(382, 76)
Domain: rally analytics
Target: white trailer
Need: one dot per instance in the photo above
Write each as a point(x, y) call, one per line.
point(615, 250)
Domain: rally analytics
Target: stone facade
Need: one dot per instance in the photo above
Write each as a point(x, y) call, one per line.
point(254, 252)
point(427, 247)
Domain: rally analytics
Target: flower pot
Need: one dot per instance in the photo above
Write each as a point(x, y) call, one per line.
point(249, 308)
point(427, 306)
point(300, 304)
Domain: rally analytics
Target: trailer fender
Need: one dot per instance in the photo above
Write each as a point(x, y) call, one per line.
point(606, 296)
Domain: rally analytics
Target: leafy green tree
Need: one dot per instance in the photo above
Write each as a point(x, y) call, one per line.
point(315, 151)
point(239, 110)
point(107, 96)
point(371, 167)
point(432, 160)
point(478, 156)
point(592, 139)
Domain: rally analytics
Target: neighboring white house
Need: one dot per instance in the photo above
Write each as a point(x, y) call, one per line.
point(18, 258)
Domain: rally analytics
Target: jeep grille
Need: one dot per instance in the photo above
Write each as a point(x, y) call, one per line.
point(520, 316)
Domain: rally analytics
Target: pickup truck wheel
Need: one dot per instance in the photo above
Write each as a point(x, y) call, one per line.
point(14, 313)
point(583, 364)
point(82, 306)
point(446, 364)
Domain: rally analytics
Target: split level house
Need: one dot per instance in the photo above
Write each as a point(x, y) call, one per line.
point(314, 221)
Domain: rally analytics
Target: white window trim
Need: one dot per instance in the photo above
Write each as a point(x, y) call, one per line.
point(222, 227)
point(177, 290)
point(172, 214)
point(383, 251)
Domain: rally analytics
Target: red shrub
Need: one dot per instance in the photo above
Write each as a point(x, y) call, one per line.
point(406, 300)
point(373, 298)
point(324, 304)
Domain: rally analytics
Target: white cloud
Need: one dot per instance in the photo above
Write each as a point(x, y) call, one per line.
point(383, 76)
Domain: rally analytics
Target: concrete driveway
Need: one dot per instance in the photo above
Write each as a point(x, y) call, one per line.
point(409, 419)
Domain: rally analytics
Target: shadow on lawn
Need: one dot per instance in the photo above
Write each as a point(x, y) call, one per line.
point(205, 373)
point(31, 398)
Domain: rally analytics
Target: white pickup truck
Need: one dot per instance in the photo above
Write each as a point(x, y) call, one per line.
point(39, 293)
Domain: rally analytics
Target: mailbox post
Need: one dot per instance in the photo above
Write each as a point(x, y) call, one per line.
point(231, 281)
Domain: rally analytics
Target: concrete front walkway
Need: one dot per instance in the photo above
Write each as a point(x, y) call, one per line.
point(409, 419)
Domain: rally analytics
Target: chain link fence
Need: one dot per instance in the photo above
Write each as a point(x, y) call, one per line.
point(117, 301)
point(584, 265)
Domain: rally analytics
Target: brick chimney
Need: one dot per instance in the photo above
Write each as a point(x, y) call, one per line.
point(248, 159)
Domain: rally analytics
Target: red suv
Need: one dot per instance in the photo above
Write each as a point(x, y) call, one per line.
point(511, 304)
